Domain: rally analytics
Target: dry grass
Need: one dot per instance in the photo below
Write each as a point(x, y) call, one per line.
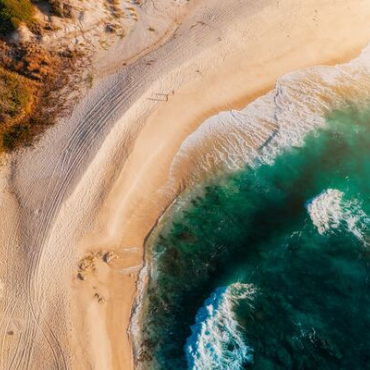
point(114, 7)
point(30, 79)
point(16, 96)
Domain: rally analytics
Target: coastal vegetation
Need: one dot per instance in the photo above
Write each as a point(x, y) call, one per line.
point(15, 12)
point(16, 103)
point(15, 96)
point(36, 65)
point(30, 78)
point(30, 74)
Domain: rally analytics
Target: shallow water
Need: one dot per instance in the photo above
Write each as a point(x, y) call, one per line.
point(268, 268)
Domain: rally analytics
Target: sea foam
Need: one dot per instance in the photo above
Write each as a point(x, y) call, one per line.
point(330, 210)
point(326, 211)
point(217, 341)
point(281, 119)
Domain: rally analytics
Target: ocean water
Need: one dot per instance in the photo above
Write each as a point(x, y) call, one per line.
point(297, 105)
point(268, 267)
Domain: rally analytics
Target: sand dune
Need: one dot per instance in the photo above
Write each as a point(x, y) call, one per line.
point(98, 181)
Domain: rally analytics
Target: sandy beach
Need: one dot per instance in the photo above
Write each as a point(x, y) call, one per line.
point(80, 204)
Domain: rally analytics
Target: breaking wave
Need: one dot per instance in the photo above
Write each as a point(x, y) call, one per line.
point(251, 226)
point(329, 211)
point(217, 341)
point(281, 119)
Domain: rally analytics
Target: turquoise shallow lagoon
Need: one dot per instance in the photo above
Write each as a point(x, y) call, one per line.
point(268, 268)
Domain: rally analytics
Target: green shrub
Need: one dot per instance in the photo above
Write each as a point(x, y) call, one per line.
point(16, 103)
point(15, 96)
point(15, 136)
point(13, 13)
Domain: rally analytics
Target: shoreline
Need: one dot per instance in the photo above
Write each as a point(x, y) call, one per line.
point(342, 57)
point(135, 319)
point(141, 283)
point(98, 182)
point(170, 270)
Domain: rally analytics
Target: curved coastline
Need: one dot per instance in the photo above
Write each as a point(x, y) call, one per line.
point(139, 194)
point(99, 180)
point(264, 128)
point(229, 233)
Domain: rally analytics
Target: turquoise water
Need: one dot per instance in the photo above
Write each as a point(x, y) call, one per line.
point(268, 268)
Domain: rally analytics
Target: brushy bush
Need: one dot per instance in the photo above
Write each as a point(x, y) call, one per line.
point(31, 79)
point(13, 13)
point(15, 136)
point(15, 97)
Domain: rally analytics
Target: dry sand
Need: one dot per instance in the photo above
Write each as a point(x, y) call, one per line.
point(98, 181)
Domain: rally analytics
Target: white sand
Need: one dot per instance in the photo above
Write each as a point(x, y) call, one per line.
point(96, 181)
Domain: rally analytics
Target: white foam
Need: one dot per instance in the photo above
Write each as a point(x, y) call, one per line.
point(329, 211)
point(326, 211)
point(281, 119)
point(217, 341)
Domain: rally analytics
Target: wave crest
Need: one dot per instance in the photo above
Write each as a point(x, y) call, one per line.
point(217, 341)
point(281, 119)
point(329, 211)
